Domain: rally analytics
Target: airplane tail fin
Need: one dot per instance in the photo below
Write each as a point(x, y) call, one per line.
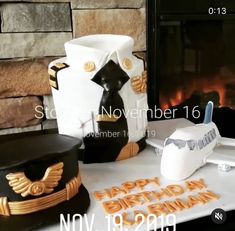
point(208, 112)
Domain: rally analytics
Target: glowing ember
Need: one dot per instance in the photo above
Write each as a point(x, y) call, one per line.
point(206, 84)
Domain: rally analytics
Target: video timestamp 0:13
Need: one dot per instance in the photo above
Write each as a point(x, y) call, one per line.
point(217, 10)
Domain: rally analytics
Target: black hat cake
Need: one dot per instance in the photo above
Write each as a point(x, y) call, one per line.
point(39, 181)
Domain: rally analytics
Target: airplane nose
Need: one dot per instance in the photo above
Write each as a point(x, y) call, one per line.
point(175, 163)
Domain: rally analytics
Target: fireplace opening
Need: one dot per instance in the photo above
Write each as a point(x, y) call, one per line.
point(191, 60)
point(196, 61)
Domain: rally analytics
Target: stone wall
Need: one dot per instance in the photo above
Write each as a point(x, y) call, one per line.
point(33, 33)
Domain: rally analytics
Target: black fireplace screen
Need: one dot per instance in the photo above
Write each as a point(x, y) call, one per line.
point(191, 56)
point(197, 60)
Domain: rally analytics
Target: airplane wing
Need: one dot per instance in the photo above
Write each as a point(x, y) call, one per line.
point(226, 141)
point(222, 155)
point(156, 143)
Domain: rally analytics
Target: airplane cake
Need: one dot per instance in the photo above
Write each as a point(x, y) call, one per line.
point(189, 148)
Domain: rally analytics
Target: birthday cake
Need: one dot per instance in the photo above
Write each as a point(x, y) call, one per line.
point(99, 91)
point(40, 180)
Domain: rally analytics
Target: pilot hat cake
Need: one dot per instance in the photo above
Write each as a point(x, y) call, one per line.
point(99, 92)
point(39, 181)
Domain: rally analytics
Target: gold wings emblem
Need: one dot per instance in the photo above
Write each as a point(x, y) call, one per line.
point(139, 83)
point(22, 185)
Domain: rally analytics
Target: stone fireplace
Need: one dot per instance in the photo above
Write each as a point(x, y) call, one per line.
point(33, 33)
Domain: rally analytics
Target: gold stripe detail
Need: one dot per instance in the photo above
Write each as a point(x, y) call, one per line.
point(106, 118)
point(60, 65)
point(52, 72)
point(72, 187)
point(52, 83)
point(38, 204)
point(4, 208)
point(139, 83)
point(128, 151)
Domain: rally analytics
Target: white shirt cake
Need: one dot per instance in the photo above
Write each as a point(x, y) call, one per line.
point(99, 91)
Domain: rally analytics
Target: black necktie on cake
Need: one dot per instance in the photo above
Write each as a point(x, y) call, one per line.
point(112, 136)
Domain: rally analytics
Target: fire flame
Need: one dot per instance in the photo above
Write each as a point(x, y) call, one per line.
point(205, 84)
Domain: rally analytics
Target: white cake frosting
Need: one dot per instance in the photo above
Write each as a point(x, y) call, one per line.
point(78, 98)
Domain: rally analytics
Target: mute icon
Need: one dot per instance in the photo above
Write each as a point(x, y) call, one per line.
point(218, 216)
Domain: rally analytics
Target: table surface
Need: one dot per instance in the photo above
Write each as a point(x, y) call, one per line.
point(147, 165)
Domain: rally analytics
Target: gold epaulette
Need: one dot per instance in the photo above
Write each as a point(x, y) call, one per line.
point(53, 70)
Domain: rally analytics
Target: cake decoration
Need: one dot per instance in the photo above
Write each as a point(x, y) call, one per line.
point(22, 185)
point(53, 70)
point(127, 64)
point(139, 83)
point(158, 201)
point(192, 185)
point(187, 149)
point(101, 88)
point(126, 188)
point(129, 150)
point(42, 203)
point(89, 66)
point(39, 173)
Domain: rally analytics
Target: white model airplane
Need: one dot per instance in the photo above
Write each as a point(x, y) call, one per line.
point(189, 148)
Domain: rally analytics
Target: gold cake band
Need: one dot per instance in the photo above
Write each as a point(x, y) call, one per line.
point(129, 150)
point(38, 204)
point(106, 118)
